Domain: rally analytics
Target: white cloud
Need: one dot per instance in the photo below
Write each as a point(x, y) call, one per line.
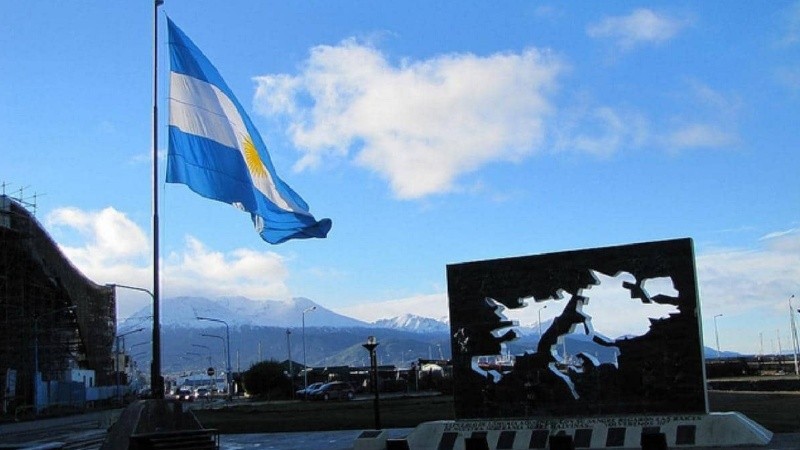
point(116, 250)
point(787, 241)
point(740, 280)
point(709, 120)
point(600, 131)
point(713, 100)
point(642, 26)
point(197, 270)
point(699, 135)
point(419, 124)
point(111, 235)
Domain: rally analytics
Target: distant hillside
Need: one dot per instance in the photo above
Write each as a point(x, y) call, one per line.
point(187, 349)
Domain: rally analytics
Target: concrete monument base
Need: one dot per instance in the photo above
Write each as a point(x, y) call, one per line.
point(724, 430)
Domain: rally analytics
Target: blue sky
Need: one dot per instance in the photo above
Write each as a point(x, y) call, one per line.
point(431, 133)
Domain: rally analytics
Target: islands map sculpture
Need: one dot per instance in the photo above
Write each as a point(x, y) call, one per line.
point(583, 363)
point(620, 365)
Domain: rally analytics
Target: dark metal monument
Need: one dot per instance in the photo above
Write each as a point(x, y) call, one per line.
point(618, 365)
point(655, 368)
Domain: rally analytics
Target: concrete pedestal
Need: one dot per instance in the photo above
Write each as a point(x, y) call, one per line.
point(722, 430)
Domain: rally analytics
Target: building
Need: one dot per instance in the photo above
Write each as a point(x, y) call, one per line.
point(51, 315)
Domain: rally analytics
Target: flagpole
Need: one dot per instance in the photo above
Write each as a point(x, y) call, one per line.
point(156, 381)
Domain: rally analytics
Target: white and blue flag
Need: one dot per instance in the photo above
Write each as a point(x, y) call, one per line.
point(216, 151)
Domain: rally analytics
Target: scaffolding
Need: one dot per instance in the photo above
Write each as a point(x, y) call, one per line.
point(51, 315)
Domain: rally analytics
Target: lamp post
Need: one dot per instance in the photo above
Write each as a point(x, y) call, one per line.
point(156, 381)
point(795, 343)
point(716, 333)
point(370, 345)
point(116, 360)
point(199, 355)
point(36, 375)
point(228, 346)
point(226, 356)
point(144, 352)
point(540, 321)
point(289, 351)
point(210, 366)
point(305, 368)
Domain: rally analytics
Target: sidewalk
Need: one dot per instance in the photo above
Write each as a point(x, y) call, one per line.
point(87, 427)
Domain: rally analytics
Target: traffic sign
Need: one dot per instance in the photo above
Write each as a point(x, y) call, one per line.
point(210, 371)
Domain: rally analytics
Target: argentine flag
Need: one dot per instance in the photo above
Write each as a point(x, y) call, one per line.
point(216, 151)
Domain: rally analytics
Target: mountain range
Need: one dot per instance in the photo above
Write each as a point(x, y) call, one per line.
point(298, 329)
point(240, 311)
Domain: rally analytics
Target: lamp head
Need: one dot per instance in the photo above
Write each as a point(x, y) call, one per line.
point(371, 343)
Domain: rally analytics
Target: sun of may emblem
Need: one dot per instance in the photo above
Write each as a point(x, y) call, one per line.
point(252, 159)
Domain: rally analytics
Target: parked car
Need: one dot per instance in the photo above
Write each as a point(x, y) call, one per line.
point(335, 390)
point(306, 393)
point(202, 393)
point(184, 393)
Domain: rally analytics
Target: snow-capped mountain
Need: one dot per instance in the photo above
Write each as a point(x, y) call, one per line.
point(238, 311)
point(183, 312)
point(416, 324)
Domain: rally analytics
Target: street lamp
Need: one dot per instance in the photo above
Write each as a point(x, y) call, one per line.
point(136, 356)
point(156, 381)
point(228, 345)
point(208, 350)
point(36, 375)
point(540, 321)
point(140, 343)
point(794, 336)
point(371, 345)
point(116, 360)
point(305, 367)
point(225, 355)
point(716, 333)
point(289, 351)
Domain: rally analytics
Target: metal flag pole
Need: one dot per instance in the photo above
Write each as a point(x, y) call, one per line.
point(156, 382)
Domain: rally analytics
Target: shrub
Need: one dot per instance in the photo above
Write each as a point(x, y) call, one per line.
point(266, 380)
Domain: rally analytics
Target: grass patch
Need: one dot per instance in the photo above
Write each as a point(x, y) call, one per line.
point(292, 416)
point(778, 412)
